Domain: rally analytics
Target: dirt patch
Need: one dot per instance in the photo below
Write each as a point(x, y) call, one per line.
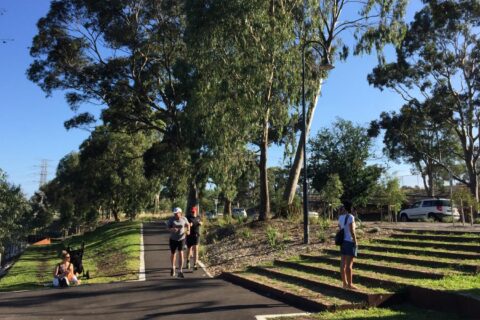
point(112, 264)
point(235, 246)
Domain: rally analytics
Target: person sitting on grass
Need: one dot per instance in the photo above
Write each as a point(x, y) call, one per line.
point(63, 275)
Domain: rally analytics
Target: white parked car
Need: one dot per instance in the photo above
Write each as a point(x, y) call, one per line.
point(313, 214)
point(436, 209)
point(239, 213)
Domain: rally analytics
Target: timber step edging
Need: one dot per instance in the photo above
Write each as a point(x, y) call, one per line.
point(443, 238)
point(423, 244)
point(444, 301)
point(419, 251)
point(367, 299)
point(467, 268)
point(432, 231)
point(395, 271)
point(289, 298)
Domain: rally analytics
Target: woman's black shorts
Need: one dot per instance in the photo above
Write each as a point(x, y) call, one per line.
point(176, 245)
point(193, 240)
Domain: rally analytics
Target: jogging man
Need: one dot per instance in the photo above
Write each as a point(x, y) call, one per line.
point(193, 239)
point(179, 228)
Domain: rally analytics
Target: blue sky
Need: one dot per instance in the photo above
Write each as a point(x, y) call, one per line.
point(31, 125)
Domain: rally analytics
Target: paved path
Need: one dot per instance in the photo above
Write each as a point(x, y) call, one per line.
point(159, 297)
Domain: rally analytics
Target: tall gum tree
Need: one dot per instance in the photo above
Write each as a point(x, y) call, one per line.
point(249, 52)
point(374, 22)
point(130, 57)
point(437, 71)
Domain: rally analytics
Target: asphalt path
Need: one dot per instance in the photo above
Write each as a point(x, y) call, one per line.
point(159, 297)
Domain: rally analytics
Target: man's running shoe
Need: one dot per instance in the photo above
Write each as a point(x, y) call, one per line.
point(172, 272)
point(180, 275)
point(195, 267)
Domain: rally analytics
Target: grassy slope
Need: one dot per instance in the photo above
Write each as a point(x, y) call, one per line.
point(111, 254)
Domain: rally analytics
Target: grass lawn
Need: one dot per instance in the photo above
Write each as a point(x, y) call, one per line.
point(457, 283)
point(111, 254)
point(403, 312)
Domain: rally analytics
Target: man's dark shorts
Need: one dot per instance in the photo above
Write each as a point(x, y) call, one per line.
point(348, 248)
point(176, 245)
point(193, 240)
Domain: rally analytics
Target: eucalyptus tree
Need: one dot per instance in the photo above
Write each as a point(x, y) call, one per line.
point(64, 195)
point(15, 212)
point(112, 169)
point(332, 194)
point(436, 71)
point(247, 53)
point(374, 23)
point(344, 150)
point(413, 135)
point(128, 56)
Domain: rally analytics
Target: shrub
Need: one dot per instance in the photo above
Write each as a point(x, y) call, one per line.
point(274, 239)
point(374, 230)
point(246, 233)
point(322, 236)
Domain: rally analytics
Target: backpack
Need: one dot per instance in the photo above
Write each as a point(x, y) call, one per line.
point(340, 236)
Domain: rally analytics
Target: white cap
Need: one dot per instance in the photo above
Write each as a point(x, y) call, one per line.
point(177, 210)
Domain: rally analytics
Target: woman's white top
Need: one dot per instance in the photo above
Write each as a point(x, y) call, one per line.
point(341, 223)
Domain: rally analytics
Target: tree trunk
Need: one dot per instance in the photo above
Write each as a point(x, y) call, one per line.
point(192, 200)
point(473, 185)
point(431, 181)
point(294, 174)
point(115, 215)
point(227, 210)
point(264, 194)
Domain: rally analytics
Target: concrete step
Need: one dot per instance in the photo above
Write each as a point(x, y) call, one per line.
point(424, 262)
point(291, 294)
point(377, 267)
point(441, 238)
point(431, 244)
point(389, 247)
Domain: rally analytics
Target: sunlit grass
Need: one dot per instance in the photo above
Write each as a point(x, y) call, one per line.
point(111, 254)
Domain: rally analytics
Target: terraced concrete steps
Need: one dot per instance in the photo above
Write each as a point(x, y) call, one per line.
point(391, 247)
point(417, 261)
point(384, 272)
point(438, 238)
point(367, 299)
point(363, 278)
point(377, 267)
point(292, 294)
point(431, 244)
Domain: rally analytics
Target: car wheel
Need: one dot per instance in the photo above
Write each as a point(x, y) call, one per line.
point(432, 216)
point(403, 217)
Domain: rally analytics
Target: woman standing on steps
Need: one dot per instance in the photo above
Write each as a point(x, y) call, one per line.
point(348, 250)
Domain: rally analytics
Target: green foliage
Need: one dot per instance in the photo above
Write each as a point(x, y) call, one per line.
point(332, 192)
point(15, 212)
point(246, 233)
point(390, 194)
point(272, 237)
point(435, 74)
point(344, 150)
